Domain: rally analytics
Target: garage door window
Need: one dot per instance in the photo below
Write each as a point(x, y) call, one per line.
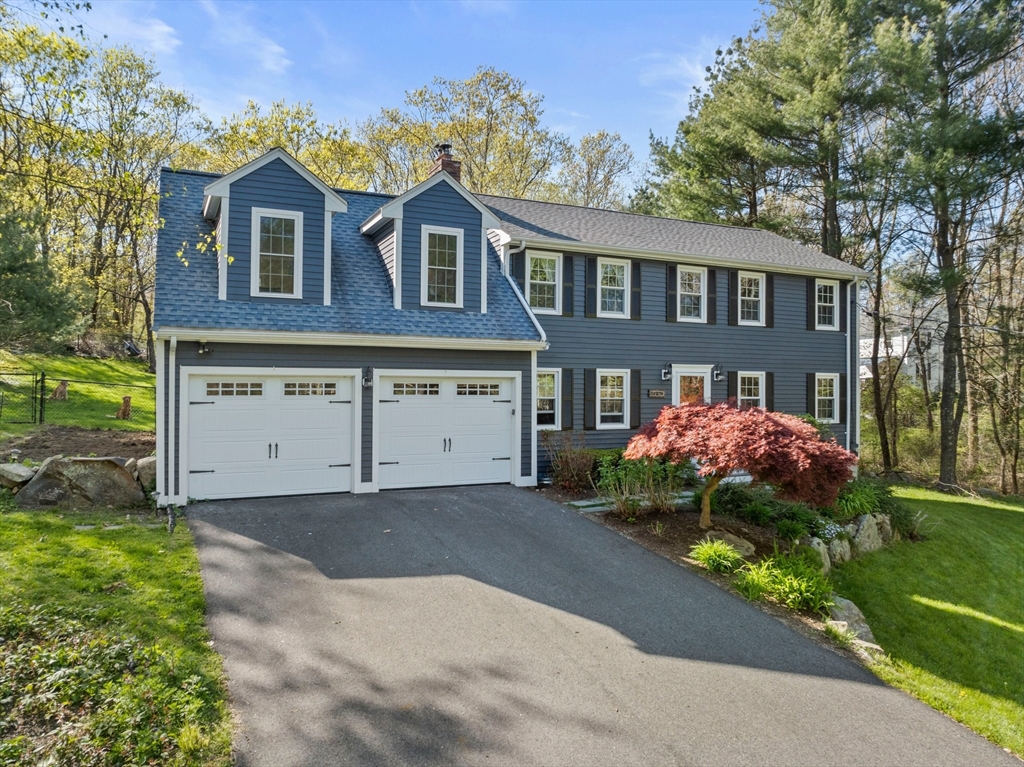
point(416, 389)
point(478, 390)
point(309, 389)
point(234, 389)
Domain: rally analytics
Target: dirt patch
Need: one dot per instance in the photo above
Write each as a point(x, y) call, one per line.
point(74, 441)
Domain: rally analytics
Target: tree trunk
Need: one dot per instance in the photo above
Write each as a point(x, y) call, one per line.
point(951, 404)
point(876, 375)
point(705, 501)
point(925, 386)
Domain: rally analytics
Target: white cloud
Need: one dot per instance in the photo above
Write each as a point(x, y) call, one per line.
point(233, 32)
point(133, 24)
point(673, 75)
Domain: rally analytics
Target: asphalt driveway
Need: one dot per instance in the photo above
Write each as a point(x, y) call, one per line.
point(489, 626)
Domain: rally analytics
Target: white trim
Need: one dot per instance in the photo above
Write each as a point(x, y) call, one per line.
point(398, 262)
point(853, 339)
point(593, 248)
point(218, 190)
point(483, 270)
point(627, 268)
point(199, 370)
point(836, 308)
point(703, 272)
point(161, 426)
point(460, 235)
point(692, 370)
point(761, 302)
point(328, 220)
point(222, 253)
point(517, 421)
point(740, 375)
point(172, 409)
point(348, 339)
point(254, 252)
point(627, 375)
point(395, 208)
point(531, 481)
point(557, 373)
point(836, 399)
point(529, 311)
point(531, 254)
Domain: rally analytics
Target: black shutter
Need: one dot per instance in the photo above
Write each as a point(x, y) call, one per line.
point(634, 399)
point(734, 385)
point(842, 398)
point(734, 297)
point(769, 301)
point(634, 304)
point(843, 305)
point(590, 310)
point(519, 269)
point(672, 294)
point(568, 285)
point(812, 394)
point(812, 304)
point(712, 311)
point(769, 391)
point(589, 399)
point(567, 383)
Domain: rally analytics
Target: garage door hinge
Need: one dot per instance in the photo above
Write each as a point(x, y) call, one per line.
point(502, 400)
point(202, 471)
point(501, 459)
point(337, 465)
point(387, 463)
point(387, 400)
point(341, 402)
point(200, 403)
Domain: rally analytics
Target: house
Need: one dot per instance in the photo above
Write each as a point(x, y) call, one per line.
point(925, 365)
point(352, 341)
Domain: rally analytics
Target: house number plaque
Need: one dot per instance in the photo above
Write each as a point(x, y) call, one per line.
point(655, 394)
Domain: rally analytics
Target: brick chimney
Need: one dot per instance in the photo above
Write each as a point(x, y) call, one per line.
point(443, 161)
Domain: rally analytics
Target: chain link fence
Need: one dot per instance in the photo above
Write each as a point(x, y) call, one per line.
point(38, 398)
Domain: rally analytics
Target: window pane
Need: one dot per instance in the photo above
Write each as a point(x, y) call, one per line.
point(542, 296)
point(277, 274)
point(613, 275)
point(277, 236)
point(612, 398)
point(546, 385)
point(442, 268)
point(689, 306)
point(543, 269)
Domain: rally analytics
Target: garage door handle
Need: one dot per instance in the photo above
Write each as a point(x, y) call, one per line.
point(388, 400)
point(202, 471)
point(387, 463)
point(275, 450)
point(341, 402)
point(502, 400)
point(338, 465)
point(501, 459)
point(270, 450)
point(200, 403)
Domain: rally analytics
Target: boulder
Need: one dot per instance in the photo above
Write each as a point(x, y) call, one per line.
point(884, 527)
point(819, 546)
point(867, 537)
point(146, 467)
point(742, 545)
point(839, 551)
point(843, 610)
point(82, 482)
point(130, 464)
point(14, 475)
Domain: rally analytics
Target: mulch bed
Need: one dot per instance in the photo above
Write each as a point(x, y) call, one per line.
point(74, 441)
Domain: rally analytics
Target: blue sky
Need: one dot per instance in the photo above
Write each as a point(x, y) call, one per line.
point(625, 67)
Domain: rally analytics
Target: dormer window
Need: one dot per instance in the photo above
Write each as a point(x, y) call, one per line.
point(441, 267)
point(277, 249)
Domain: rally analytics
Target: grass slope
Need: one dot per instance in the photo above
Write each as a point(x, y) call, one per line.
point(135, 586)
point(91, 406)
point(949, 611)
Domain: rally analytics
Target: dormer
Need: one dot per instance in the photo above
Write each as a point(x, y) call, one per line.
point(433, 241)
point(272, 218)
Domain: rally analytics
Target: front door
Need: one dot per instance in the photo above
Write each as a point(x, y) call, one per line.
point(691, 384)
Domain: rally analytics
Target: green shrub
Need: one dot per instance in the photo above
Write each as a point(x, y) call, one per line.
point(754, 580)
point(793, 580)
point(734, 498)
point(789, 530)
point(604, 456)
point(717, 556)
point(7, 501)
point(858, 497)
point(823, 428)
point(643, 486)
point(571, 461)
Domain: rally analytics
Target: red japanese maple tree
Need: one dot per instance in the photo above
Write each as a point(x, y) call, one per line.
point(778, 449)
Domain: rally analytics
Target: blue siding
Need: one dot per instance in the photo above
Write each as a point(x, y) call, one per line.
point(275, 185)
point(441, 206)
point(384, 241)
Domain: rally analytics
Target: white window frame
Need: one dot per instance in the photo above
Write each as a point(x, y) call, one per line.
point(703, 272)
point(626, 376)
point(530, 255)
point(627, 266)
point(760, 276)
point(254, 259)
point(425, 231)
point(835, 305)
point(834, 377)
point(557, 372)
point(760, 387)
point(691, 370)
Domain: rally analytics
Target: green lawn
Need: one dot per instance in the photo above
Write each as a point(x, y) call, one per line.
point(89, 405)
point(102, 634)
point(949, 611)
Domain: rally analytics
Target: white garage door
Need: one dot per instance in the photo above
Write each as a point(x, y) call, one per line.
point(269, 435)
point(445, 431)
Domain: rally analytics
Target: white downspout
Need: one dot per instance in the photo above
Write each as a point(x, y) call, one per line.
point(172, 411)
point(849, 332)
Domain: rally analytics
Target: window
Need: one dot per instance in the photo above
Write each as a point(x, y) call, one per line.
point(277, 253)
point(478, 390)
point(612, 399)
point(416, 389)
point(751, 390)
point(544, 276)
point(546, 409)
point(826, 397)
point(441, 267)
point(751, 298)
point(692, 293)
point(234, 389)
point(691, 384)
point(613, 284)
point(826, 313)
point(309, 389)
